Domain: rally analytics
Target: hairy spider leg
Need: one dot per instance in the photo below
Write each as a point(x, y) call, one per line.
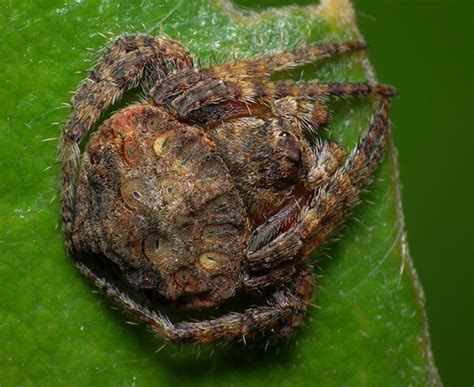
point(346, 184)
point(253, 68)
point(285, 307)
point(311, 114)
point(264, 67)
point(262, 91)
point(122, 67)
point(245, 83)
point(329, 204)
point(325, 160)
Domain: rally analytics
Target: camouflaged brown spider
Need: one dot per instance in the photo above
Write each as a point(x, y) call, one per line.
point(209, 190)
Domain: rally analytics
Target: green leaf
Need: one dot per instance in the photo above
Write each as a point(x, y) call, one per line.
point(370, 326)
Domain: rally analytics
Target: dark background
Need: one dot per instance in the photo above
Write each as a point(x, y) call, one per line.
point(424, 48)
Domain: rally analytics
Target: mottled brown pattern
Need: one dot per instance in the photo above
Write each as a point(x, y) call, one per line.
point(210, 190)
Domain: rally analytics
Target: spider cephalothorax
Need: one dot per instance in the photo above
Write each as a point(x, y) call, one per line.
point(210, 190)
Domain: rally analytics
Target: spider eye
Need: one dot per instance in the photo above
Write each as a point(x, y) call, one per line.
point(290, 146)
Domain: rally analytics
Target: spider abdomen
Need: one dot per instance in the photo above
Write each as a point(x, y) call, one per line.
point(156, 200)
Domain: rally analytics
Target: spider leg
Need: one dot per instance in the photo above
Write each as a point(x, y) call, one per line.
point(303, 289)
point(280, 275)
point(257, 282)
point(327, 156)
point(262, 91)
point(325, 161)
point(285, 306)
point(328, 206)
point(245, 82)
point(274, 90)
point(311, 114)
point(121, 68)
point(323, 215)
point(252, 68)
point(262, 67)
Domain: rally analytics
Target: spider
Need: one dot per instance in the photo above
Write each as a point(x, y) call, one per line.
point(209, 191)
